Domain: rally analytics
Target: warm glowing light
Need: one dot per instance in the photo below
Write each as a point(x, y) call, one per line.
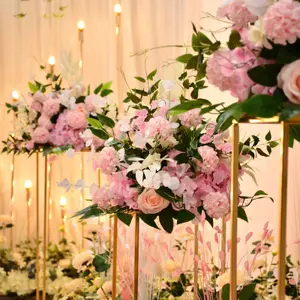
point(51, 60)
point(80, 25)
point(117, 8)
point(63, 201)
point(28, 184)
point(29, 202)
point(117, 30)
point(15, 95)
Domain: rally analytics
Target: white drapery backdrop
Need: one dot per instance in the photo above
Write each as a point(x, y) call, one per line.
point(144, 24)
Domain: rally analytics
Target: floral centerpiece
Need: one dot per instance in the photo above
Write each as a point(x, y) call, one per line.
point(54, 118)
point(166, 167)
point(259, 65)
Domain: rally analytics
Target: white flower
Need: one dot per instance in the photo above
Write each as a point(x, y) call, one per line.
point(105, 291)
point(3, 240)
point(152, 179)
point(87, 136)
point(82, 260)
point(258, 7)
point(92, 229)
point(256, 35)
point(18, 258)
point(66, 100)
point(168, 181)
point(170, 266)
point(98, 282)
point(64, 263)
point(223, 279)
point(168, 85)
point(74, 285)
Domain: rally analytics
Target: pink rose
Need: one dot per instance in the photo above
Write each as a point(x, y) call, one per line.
point(39, 97)
point(40, 135)
point(76, 119)
point(51, 107)
point(149, 202)
point(289, 81)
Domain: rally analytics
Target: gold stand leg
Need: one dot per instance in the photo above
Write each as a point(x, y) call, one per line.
point(37, 279)
point(196, 249)
point(136, 258)
point(223, 245)
point(234, 210)
point(12, 199)
point(283, 208)
point(82, 197)
point(114, 259)
point(45, 231)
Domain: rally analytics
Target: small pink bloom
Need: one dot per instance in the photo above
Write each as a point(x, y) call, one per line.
point(216, 204)
point(30, 145)
point(149, 202)
point(206, 139)
point(51, 107)
point(289, 81)
point(101, 197)
point(39, 97)
point(44, 121)
point(191, 118)
point(107, 160)
point(210, 159)
point(40, 135)
point(281, 22)
point(35, 105)
point(76, 119)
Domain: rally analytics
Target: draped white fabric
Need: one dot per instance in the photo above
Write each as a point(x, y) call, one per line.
point(144, 24)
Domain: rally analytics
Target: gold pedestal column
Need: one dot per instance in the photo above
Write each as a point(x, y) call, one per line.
point(196, 250)
point(234, 210)
point(37, 237)
point(114, 259)
point(136, 258)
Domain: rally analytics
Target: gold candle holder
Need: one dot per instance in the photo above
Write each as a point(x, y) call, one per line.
point(37, 237)
point(114, 259)
point(51, 63)
point(196, 250)
point(63, 205)
point(80, 27)
point(118, 10)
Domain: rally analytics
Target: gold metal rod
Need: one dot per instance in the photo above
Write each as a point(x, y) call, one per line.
point(37, 280)
point(49, 204)
point(284, 146)
point(136, 258)
point(114, 259)
point(28, 213)
point(223, 245)
point(12, 199)
point(234, 210)
point(196, 250)
point(45, 230)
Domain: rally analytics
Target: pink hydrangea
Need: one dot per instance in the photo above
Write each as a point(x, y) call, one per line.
point(281, 22)
point(39, 97)
point(101, 197)
point(227, 70)
point(30, 145)
point(107, 160)
point(216, 204)
point(35, 105)
point(44, 121)
point(159, 127)
point(51, 107)
point(76, 119)
point(237, 12)
point(40, 135)
point(191, 118)
point(210, 159)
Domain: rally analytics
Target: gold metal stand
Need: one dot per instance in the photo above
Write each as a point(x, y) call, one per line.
point(82, 197)
point(45, 230)
point(12, 199)
point(284, 145)
point(196, 250)
point(37, 254)
point(223, 245)
point(136, 257)
point(114, 259)
point(234, 210)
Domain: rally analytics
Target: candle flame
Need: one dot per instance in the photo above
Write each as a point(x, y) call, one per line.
point(117, 8)
point(51, 60)
point(80, 25)
point(28, 184)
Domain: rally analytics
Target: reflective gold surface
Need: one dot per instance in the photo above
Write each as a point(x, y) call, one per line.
point(37, 237)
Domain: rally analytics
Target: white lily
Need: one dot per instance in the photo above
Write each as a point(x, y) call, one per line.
point(169, 181)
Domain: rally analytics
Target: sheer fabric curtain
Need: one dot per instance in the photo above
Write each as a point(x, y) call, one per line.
point(144, 24)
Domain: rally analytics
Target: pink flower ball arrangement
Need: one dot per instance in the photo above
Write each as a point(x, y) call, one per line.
point(107, 160)
point(57, 117)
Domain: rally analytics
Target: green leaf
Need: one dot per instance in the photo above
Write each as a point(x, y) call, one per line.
point(234, 40)
point(265, 75)
point(184, 58)
point(261, 152)
point(242, 214)
point(289, 53)
point(181, 158)
point(100, 262)
point(141, 79)
point(33, 88)
point(184, 216)
point(188, 105)
point(273, 144)
point(84, 210)
point(268, 136)
point(225, 292)
point(125, 218)
point(107, 85)
point(208, 109)
point(98, 89)
point(201, 71)
point(166, 193)
point(289, 112)
point(100, 133)
point(151, 75)
point(166, 220)
point(133, 98)
point(260, 193)
point(264, 106)
point(232, 112)
point(106, 92)
point(200, 41)
point(106, 120)
point(149, 220)
point(247, 291)
point(94, 123)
